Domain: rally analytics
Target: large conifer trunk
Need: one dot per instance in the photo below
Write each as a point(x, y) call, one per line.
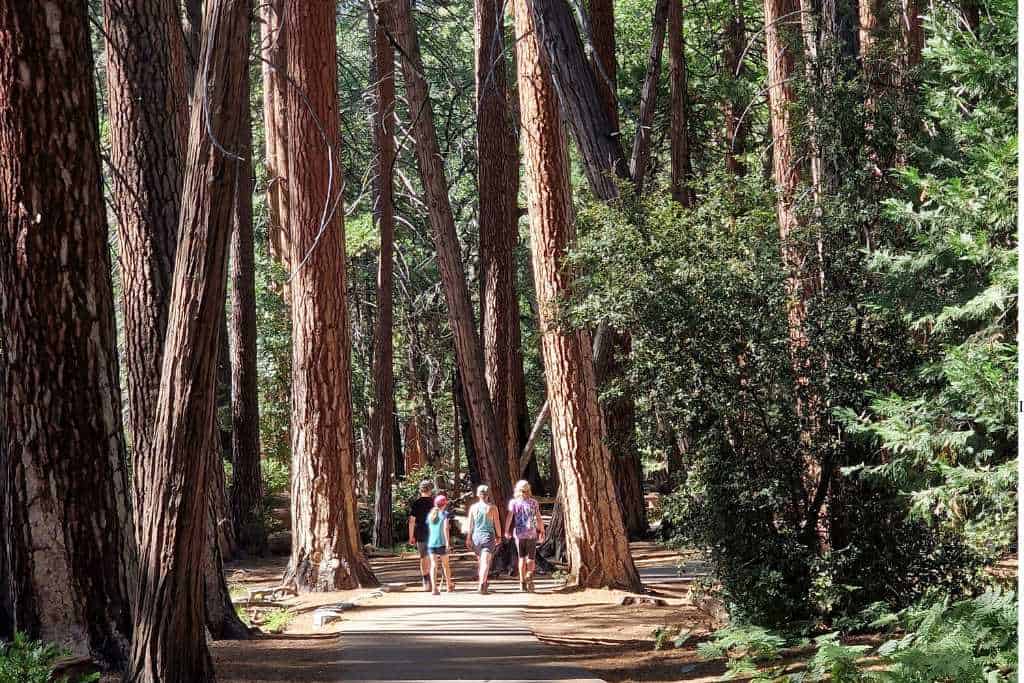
point(66, 514)
point(382, 438)
point(679, 135)
point(169, 643)
point(246, 481)
point(736, 118)
point(148, 107)
point(640, 158)
point(326, 551)
point(396, 15)
point(497, 183)
point(597, 546)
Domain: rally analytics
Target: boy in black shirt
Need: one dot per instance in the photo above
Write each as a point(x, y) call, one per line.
point(418, 511)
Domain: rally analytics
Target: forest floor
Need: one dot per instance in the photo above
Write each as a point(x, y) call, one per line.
point(507, 635)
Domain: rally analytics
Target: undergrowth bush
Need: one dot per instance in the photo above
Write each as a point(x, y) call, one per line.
point(31, 661)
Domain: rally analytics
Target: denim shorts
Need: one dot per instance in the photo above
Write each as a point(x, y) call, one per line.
point(440, 550)
point(482, 542)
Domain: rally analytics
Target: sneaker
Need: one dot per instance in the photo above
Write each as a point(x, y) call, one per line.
point(435, 592)
point(450, 587)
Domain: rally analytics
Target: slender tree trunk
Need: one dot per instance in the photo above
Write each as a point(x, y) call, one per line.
point(144, 83)
point(597, 545)
point(273, 44)
point(169, 642)
point(381, 420)
point(679, 142)
point(465, 430)
point(399, 455)
point(497, 183)
point(736, 124)
point(246, 479)
point(397, 18)
point(326, 551)
point(640, 158)
point(67, 521)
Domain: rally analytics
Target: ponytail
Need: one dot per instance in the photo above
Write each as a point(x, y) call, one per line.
point(435, 514)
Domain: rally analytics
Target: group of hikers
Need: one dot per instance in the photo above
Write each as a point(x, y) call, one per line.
point(430, 532)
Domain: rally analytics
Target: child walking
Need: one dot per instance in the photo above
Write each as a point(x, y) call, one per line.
point(439, 542)
point(482, 536)
point(524, 512)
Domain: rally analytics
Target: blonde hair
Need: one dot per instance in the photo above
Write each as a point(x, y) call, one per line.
point(523, 489)
point(484, 493)
point(435, 513)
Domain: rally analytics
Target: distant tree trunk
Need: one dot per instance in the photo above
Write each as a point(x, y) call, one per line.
point(597, 545)
point(640, 158)
point(800, 279)
point(381, 420)
point(273, 44)
point(145, 83)
point(553, 547)
point(222, 431)
point(246, 479)
point(601, 15)
point(473, 469)
point(399, 456)
point(67, 524)
point(396, 15)
point(497, 185)
point(169, 643)
point(679, 143)
point(326, 550)
point(736, 125)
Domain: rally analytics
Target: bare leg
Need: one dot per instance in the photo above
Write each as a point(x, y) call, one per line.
point(433, 575)
point(485, 567)
point(447, 572)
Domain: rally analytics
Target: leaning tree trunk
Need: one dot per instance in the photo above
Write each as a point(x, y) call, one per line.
point(169, 643)
point(145, 85)
point(66, 514)
point(679, 126)
point(381, 420)
point(191, 28)
point(620, 410)
point(597, 546)
point(553, 547)
point(396, 15)
point(640, 158)
point(497, 185)
point(326, 551)
point(246, 479)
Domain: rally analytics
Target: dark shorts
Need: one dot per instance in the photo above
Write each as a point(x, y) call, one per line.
point(421, 548)
point(527, 548)
point(440, 550)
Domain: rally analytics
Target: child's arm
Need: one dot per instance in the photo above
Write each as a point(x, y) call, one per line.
point(508, 522)
point(447, 533)
point(469, 531)
point(412, 530)
point(540, 523)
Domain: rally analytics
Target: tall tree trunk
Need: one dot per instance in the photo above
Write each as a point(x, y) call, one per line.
point(67, 522)
point(326, 551)
point(399, 456)
point(497, 185)
point(396, 15)
point(273, 44)
point(381, 420)
point(679, 126)
point(640, 158)
point(169, 643)
point(736, 125)
point(596, 540)
point(246, 479)
point(144, 83)
point(465, 430)
point(222, 431)
point(801, 280)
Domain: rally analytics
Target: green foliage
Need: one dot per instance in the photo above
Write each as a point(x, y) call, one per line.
point(950, 442)
point(277, 620)
point(31, 661)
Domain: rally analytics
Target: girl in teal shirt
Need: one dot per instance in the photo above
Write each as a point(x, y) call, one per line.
point(439, 542)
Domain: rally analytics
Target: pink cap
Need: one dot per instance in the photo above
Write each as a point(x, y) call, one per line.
point(440, 501)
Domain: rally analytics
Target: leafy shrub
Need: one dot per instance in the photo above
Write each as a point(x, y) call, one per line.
point(31, 661)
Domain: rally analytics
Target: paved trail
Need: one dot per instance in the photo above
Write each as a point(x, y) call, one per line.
point(415, 636)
